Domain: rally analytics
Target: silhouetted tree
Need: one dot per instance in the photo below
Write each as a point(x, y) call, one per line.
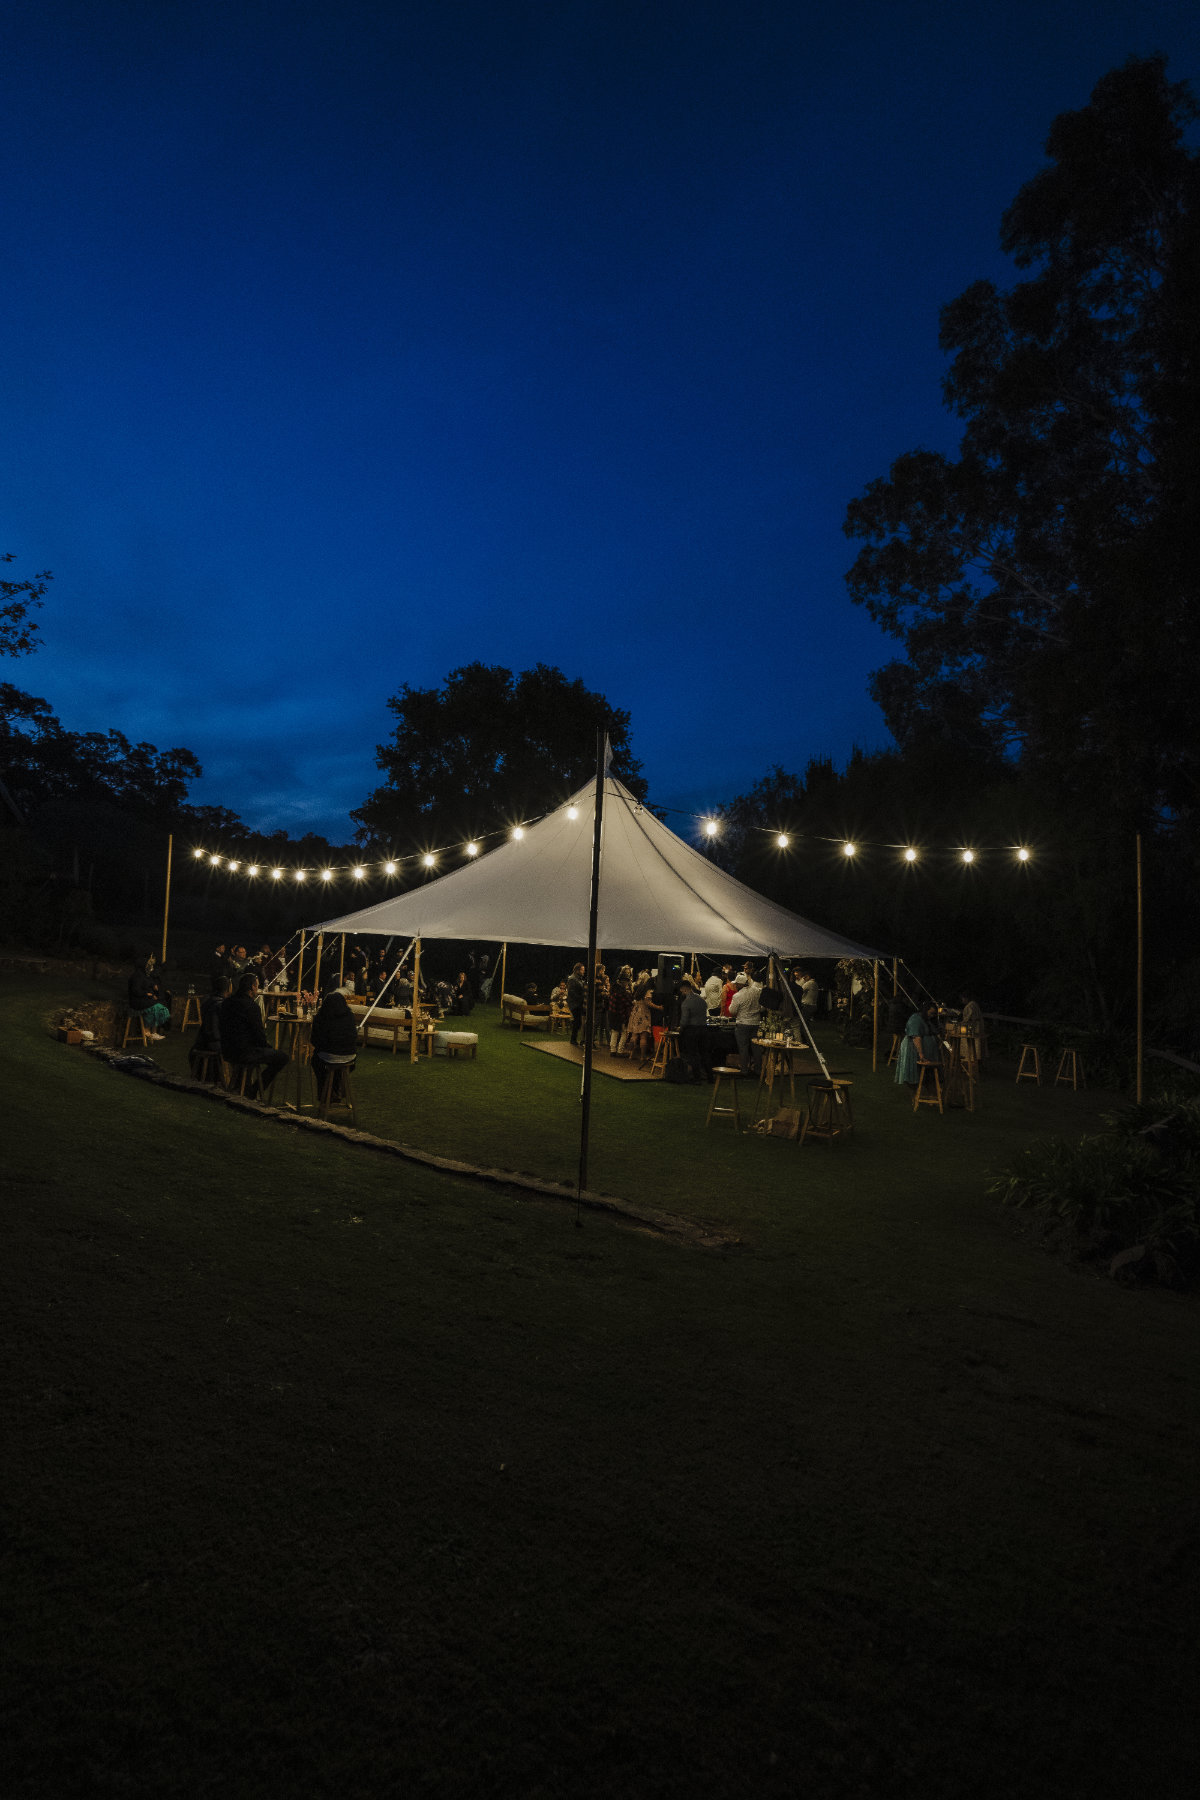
point(1044, 583)
point(487, 747)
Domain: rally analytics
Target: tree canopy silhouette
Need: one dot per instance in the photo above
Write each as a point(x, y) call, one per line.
point(488, 747)
point(1044, 582)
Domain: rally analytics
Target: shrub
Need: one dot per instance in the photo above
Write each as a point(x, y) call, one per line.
point(1130, 1195)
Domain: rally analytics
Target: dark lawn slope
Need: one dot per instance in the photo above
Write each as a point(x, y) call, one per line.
point(328, 1476)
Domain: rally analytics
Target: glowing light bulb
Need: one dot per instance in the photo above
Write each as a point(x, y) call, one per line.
point(1022, 856)
point(710, 828)
point(572, 812)
point(276, 874)
point(427, 859)
point(783, 840)
point(968, 856)
point(519, 832)
point(197, 853)
point(358, 874)
point(472, 849)
point(910, 855)
point(849, 849)
point(389, 868)
point(214, 860)
point(234, 867)
point(253, 869)
point(301, 874)
point(326, 874)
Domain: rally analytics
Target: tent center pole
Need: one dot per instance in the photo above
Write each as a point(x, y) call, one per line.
point(416, 1005)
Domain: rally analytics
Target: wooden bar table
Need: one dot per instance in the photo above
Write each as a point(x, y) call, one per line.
point(295, 1075)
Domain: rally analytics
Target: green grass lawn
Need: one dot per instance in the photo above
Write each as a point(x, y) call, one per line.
point(331, 1475)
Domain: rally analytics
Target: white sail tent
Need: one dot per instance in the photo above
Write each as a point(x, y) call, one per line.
point(656, 893)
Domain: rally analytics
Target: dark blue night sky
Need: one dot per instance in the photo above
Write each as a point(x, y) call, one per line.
point(340, 345)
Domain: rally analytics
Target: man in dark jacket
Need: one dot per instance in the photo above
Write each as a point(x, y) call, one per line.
point(243, 1039)
point(208, 1039)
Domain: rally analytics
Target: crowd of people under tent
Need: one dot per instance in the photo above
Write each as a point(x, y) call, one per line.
point(632, 1011)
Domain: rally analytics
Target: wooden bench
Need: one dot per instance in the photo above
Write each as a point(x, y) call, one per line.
point(516, 1010)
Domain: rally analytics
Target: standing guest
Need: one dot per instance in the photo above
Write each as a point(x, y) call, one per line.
point(235, 963)
point(620, 1005)
point(220, 962)
point(244, 1037)
point(712, 994)
point(356, 965)
point(641, 1025)
point(746, 1016)
point(728, 989)
point(146, 997)
point(270, 965)
point(207, 1041)
point(693, 1031)
point(576, 1000)
point(600, 1025)
point(334, 1039)
point(809, 996)
point(463, 998)
point(974, 1031)
point(920, 1044)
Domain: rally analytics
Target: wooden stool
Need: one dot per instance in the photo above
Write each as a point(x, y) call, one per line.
point(207, 1066)
point(893, 1053)
point(921, 1098)
point(665, 1051)
point(1070, 1068)
point(191, 1011)
point(134, 1022)
point(732, 1076)
point(830, 1114)
point(241, 1073)
point(323, 1075)
point(1034, 1073)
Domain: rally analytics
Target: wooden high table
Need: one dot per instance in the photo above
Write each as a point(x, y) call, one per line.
point(292, 1080)
point(780, 1060)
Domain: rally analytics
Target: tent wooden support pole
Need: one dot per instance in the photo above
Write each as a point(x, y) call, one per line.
point(585, 1092)
point(317, 975)
point(416, 1005)
point(342, 961)
point(1140, 972)
point(875, 1023)
point(166, 899)
point(503, 970)
point(300, 971)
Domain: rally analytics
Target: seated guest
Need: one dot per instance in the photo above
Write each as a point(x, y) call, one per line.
point(334, 1039)
point(145, 997)
point(558, 995)
point(443, 993)
point(531, 993)
point(243, 1036)
point(401, 991)
point(464, 995)
point(270, 965)
point(236, 962)
point(208, 1039)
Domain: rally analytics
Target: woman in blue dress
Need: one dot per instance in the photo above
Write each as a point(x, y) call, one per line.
point(919, 1044)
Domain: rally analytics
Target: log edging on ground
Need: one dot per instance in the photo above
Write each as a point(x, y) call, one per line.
point(669, 1225)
